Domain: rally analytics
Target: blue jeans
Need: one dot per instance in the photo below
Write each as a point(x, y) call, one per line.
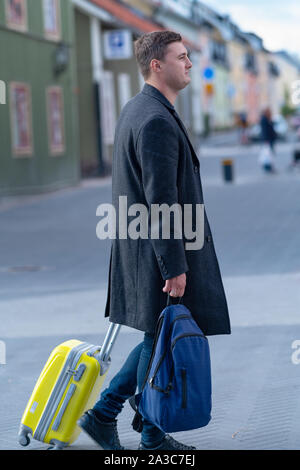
point(124, 385)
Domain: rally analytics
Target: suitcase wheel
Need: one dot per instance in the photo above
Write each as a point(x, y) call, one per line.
point(56, 447)
point(24, 440)
point(24, 432)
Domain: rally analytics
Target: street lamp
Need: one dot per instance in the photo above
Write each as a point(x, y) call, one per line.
point(61, 58)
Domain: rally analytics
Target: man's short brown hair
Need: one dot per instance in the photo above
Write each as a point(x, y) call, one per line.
point(153, 46)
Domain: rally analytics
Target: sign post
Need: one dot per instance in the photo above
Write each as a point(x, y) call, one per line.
point(2, 92)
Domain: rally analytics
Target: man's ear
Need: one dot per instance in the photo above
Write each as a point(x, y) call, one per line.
point(155, 65)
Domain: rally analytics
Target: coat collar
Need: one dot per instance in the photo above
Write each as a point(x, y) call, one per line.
point(155, 93)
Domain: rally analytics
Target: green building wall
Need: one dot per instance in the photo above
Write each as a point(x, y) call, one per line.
point(88, 132)
point(28, 57)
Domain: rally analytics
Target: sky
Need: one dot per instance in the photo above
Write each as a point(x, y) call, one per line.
point(277, 22)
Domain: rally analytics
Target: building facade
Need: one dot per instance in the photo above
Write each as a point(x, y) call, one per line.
point(67, 68)
point(107, 74)
point(289, 73)
point(38, 122)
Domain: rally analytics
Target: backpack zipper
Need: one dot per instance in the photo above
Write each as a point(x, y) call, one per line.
point(185, 335)
point(183, 388)
point(180, 317)
point(151, 380)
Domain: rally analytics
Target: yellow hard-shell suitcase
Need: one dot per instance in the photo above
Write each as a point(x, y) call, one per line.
point(68, 386)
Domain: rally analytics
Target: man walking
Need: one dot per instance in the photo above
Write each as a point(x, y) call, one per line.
point(154, 163)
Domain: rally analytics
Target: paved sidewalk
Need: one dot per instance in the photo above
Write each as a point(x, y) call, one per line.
point(255, 390)
point(53, 280)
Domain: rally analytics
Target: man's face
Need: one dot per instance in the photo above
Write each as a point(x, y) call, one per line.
point(175, 67)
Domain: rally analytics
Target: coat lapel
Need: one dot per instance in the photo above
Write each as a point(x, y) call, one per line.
point(181, 125)
point(155, 93)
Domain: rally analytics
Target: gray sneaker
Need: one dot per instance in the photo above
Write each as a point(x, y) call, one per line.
point(168, 444)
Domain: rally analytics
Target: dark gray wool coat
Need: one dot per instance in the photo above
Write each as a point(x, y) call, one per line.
point(154, 163)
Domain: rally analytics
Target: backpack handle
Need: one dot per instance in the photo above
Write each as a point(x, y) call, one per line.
point(170, 303)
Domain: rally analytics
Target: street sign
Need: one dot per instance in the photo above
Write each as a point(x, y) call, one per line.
point(208, 73)
point(118, 44)
point(209, 89)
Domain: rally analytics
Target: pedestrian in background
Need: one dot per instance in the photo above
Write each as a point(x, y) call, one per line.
point(243, 126)
point(268, 137)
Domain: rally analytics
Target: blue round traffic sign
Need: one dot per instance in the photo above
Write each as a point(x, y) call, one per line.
point(208, 73)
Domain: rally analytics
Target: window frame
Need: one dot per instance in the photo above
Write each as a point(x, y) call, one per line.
point(16, 26)
point(29, 149)
point(51, 34)
point(55, 150)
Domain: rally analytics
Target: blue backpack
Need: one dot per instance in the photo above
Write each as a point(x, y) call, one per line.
point(176, 394)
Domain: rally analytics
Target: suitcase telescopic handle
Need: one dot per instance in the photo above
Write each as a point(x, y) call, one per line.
point(109, 342)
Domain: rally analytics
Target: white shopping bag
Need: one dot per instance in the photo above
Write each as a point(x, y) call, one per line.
point(266, 155)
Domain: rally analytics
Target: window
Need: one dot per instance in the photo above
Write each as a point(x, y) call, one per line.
point(273, 69)
point(251, 63)
point(16, 14)
point(52, 19)
point(21, 119)
point(55, 110)
point(219, 52)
